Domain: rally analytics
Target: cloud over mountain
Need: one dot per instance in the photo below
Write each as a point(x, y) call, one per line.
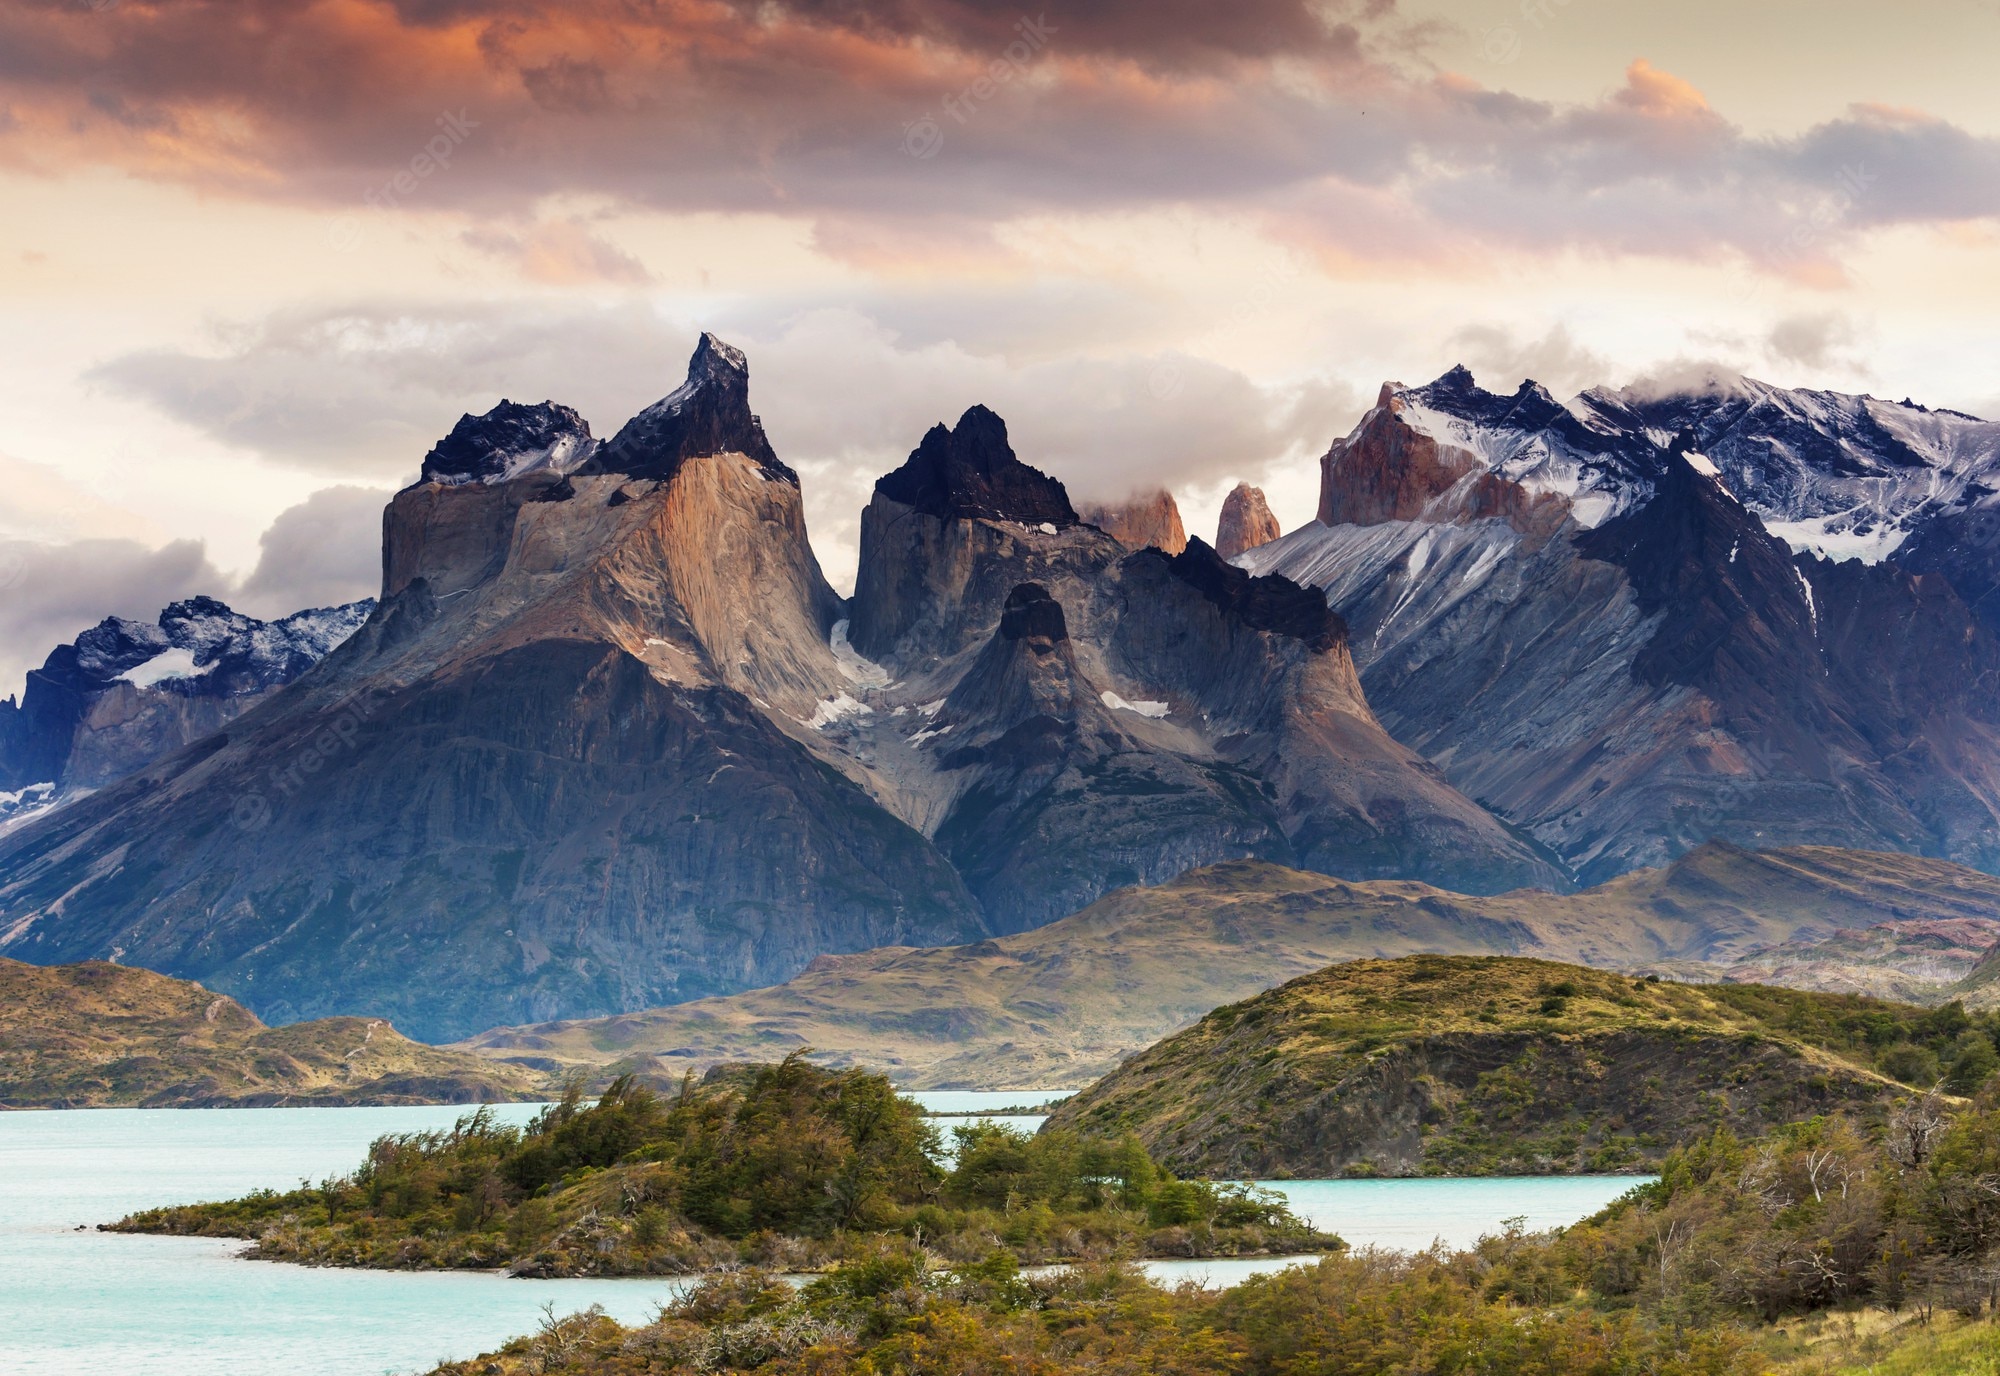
point(1327, 121)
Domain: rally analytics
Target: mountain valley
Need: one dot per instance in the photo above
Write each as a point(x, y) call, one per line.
point(1064, 1004)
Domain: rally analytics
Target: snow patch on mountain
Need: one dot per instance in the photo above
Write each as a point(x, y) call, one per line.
point(836, 709)
point(1155, 710)
point(1839, 475)
point(860, 670)
point(1838, 537)
point(19, 805)
point(174, 663)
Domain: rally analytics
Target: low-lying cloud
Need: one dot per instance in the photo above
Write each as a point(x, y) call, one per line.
point(361, 392)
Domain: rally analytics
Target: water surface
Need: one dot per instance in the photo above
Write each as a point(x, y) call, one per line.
point(76, 1302)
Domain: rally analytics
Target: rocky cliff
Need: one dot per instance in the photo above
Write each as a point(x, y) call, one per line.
point(1601, 630)
point(1246, 522)
point(1187, 713)
point(1150, 518)
point(569, 763)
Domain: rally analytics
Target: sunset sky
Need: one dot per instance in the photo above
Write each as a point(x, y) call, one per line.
point(257, 255)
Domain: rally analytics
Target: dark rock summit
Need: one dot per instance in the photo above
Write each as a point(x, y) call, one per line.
point(970, 472)
point(508, 441)
point(1270, 602)
point(127, 692)
point(707, 414)
point(1031, 614)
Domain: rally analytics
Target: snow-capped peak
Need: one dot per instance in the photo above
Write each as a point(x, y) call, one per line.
point(508, 441)
point(1843, 476)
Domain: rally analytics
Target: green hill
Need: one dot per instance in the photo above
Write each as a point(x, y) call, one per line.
point(1471, 1065)
point(98, 1035)
point(1058, 1006)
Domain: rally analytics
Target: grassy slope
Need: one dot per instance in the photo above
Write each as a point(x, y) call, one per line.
point(1468, 1065)
point(98, 1035)
point(1059, 1006)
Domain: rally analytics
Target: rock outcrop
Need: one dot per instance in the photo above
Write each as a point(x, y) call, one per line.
point(707, 414)
point(508, 441)
point(567, 765)
point(1192, 713)
point(1146, 519)
point(1609, 640)
point(1246, 522)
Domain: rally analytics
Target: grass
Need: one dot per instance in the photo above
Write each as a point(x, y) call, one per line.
point(1501, 1064)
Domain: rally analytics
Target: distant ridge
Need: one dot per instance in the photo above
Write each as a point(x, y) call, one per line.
point(1062, 1005)
point(99, 1035)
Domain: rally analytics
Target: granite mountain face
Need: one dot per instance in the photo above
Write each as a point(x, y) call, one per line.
point(1633, 622)
point(565, 765)
point(1064, 714)
point(609, 739)
point(1246, 522)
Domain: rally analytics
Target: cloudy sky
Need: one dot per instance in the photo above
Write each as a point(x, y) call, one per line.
point(257, 255)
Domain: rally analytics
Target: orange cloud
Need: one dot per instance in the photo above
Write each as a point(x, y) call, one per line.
point(1658, 94)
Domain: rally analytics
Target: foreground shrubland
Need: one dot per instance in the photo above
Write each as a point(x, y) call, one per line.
point(786, 1166)
point(1822, 1250)
point(895, 1310)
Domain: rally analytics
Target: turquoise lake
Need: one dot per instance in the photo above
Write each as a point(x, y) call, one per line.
point(76, 1302)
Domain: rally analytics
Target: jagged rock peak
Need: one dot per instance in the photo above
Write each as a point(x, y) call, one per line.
point(508, 441)
point(1455, 393)
point(1145, 518)
point(707, 414)
point(1246, 522)
point(1031, 614)
point(1270, 602)
point(971, 473)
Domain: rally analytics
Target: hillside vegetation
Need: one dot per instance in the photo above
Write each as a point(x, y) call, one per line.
point(1061, 1005)
point(1818, 1250)
point(783, 1165)
point(1488, 1065)
point(98, 1035)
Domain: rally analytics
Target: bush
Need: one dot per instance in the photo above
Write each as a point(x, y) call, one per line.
point(1913, 1065)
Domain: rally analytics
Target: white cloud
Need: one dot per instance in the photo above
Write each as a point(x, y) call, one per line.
point(366, 390)
point(324, 552)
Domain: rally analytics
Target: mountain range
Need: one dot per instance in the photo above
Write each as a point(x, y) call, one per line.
point(1633, 622)
point(126, 692)
point(609, 739)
